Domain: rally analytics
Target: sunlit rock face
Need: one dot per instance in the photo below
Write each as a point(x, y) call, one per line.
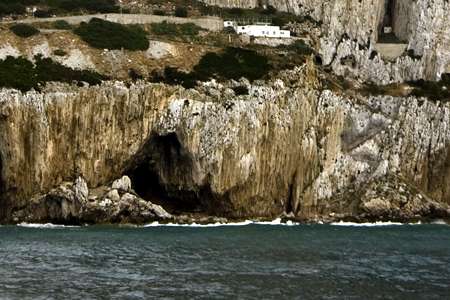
point(288, 147)
point(354, 27)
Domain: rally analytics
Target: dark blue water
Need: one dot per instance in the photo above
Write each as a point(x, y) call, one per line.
point(248, 262)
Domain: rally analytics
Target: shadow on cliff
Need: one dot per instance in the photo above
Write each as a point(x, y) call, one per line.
point(3, 205)
point(164, 173)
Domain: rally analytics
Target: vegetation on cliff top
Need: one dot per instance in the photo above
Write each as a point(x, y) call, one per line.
point(24, 30)
point(18, 7)
point(103, 34)
point(172, 29)
point(61, 25)
point(24, 75)
point(269, 14)
point(433, 90)
point(232, 63)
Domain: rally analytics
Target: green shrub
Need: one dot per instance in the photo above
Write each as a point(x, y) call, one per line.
point(159, 12)
point(22, 74)
point(23, 30)
point(236, 11)
point(17, 7)
point(62, 25)
point(446, 79)
point(17, 73)
point(189, 29)
point(299, 47)
point(134, 75)
point(165, 28)
point(174, 76)
point(11, 8)
point(49, 70)
point(108, 35)
point(229, 30)
point(232, 63)
point(434, 90)
point(240, 90)
point(93, 6)
point(181, 12)
point(412, 54)
point(270, 10)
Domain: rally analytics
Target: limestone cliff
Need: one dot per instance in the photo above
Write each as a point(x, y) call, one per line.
point(352, 28)
point(288, 147)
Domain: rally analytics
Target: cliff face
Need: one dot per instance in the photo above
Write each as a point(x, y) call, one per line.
point(287, 147)
point(352, 28)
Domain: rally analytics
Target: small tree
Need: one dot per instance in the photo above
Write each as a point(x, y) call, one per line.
point(23, 30)
point(62, 25)
point(181, 12)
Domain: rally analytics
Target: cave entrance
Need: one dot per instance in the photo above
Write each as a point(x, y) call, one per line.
point(393, 29)
point(162, 174)
point(386, 31)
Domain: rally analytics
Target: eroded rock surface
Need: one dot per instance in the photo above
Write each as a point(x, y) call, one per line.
point(289, 147)
point(74, 203)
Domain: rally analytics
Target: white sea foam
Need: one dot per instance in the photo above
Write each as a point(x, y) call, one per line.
point(243, 223)
point(439, 222)
point(379, 223)
point(157, 224)
point(47, 225)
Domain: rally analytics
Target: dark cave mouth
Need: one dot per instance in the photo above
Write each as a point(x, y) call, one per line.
point(146, 183)
point(386, 32)
point(390, 28)
point(164, 157)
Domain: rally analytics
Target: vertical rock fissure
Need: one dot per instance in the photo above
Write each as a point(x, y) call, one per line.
point(290, 200)
point(2, 191)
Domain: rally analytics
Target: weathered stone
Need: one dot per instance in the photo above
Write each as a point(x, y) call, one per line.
point(290, 145)
point(353, 28)
point(122, 184)
point(113, 195)
point(81, 190)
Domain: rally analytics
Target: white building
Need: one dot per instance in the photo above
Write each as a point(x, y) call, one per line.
point(259, 30)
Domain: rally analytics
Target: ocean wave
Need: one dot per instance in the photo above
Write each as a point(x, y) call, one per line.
point(243, 223)
point(378, 223)
point(46, 225)
point(439, 222)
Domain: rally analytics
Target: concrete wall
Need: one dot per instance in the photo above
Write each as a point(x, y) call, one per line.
point(210, 23)
point(390, 51)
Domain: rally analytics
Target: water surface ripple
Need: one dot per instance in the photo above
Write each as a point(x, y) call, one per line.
point(247, 262)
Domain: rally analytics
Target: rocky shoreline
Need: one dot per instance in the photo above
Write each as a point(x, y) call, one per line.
point(74, 204)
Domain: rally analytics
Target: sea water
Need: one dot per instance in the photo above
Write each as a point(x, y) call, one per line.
point(217, 261)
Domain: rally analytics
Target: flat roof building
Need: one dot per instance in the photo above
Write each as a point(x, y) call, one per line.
point(259, 30)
